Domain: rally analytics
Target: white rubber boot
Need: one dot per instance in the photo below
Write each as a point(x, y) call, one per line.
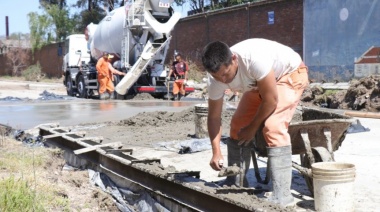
point(103, 96)
point(280, 166)
point(112, 95)
point(234, 157)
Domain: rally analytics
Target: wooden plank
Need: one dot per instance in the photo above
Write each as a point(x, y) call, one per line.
point(93, 148)
point(78, 133)
point(362, 114)
point(146, 161)
point(98, 139)
point(113, 151)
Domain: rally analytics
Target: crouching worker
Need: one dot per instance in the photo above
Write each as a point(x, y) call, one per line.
point(105, 76)
point(271, 77)
point(179, 71)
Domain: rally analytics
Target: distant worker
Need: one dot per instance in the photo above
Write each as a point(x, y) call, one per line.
point(271, 77)
point(179, 71)
point(105, 76)
point(231, 96)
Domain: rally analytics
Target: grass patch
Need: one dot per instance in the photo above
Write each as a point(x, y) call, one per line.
point(330, 92)
point(23, 182)
point(33, 73)
point(45, 79)
point(17, 195)
point(16, 161)
point(12, 78)
point(22, 195)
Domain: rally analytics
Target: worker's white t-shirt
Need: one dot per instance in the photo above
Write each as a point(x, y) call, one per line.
point(256, 58)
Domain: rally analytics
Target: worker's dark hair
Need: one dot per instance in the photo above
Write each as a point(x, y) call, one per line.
point(216, 54)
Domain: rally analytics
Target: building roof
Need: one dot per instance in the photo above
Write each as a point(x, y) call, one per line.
point(372, 55)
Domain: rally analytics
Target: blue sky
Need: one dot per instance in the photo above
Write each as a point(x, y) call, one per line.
point(17, 11)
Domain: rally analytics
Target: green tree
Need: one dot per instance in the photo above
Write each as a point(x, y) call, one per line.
point(40, 30)
point(94, 4)
point(200, 6)
point(86, 17)
point(60, 3)
point(63, 23)
point(93, 11)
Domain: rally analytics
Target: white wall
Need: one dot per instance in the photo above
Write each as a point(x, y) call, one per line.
point(367, 69)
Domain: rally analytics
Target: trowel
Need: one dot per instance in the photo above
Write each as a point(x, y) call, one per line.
point(229, 171)
point(234, 169)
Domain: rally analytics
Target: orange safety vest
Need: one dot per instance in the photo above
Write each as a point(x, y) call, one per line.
point(102, 68)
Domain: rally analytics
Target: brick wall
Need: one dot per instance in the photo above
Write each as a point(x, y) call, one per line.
point(48, 57)
point(5, 69)
point(238, 23)
point(50, 60)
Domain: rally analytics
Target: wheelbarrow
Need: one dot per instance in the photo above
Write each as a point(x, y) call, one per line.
point(315, 135)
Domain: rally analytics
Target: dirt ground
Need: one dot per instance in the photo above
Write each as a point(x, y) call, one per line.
point(362, 95)
point(66, 188)
point(148, 128)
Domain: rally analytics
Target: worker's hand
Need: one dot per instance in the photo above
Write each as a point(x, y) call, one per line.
point(245, 135)
point(168, 78)
point(216, 162)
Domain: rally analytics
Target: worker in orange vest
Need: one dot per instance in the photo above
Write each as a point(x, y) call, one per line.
point(105, 76)
point(179, 69)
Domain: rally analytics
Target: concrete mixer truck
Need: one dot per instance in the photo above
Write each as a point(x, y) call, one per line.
point(138, 35)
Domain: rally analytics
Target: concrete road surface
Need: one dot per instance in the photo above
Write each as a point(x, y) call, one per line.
point(25, 115)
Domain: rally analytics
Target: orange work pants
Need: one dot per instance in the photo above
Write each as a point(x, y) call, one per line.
point(179, 87)
point(105, 84)
point(289, 88)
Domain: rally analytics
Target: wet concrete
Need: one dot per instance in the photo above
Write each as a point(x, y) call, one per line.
point(25, 115)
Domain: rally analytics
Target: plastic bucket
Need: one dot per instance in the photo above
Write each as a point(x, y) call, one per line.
point(200, 120)
point(333, 186)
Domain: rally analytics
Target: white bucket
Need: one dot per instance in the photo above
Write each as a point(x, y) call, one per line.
point(200, 119)
point(333, 186)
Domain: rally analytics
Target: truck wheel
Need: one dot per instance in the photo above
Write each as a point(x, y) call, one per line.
point(69, 86)
point(82, 90)
point(131, 93)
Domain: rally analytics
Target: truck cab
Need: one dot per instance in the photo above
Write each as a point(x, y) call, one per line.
point(76, 51)
point(76, 56)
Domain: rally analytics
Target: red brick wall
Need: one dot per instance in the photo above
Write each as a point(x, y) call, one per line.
point(189, 37)
point(50, 61)
point(5, 68)
point(229, 27)
point(241, 22)
point(47, 56)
